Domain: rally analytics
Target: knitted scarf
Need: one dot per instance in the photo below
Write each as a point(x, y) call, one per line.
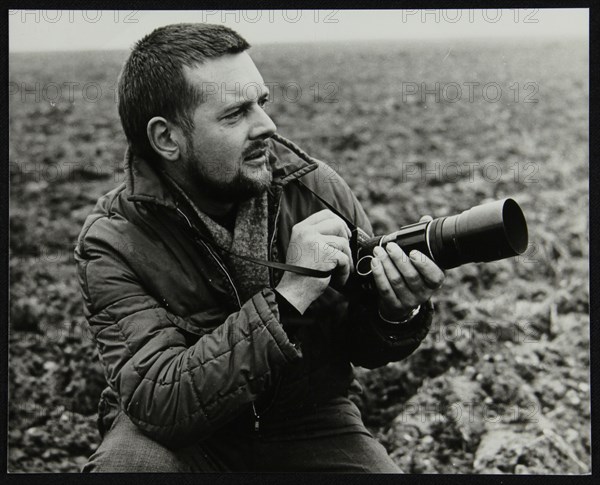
point(249, 238)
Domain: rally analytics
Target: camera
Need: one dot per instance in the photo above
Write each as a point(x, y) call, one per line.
point(487, 232)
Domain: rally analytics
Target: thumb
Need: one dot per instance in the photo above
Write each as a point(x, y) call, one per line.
point(425, 219)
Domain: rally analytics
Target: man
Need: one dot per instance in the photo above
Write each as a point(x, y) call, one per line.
point(216, 362)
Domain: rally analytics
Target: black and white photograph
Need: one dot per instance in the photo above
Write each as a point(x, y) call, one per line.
point(335, 241)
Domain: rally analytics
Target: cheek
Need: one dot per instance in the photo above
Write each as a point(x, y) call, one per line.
point(222, 144)
point(231, 143)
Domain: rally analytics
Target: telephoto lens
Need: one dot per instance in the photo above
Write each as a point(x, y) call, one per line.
point(487, 232)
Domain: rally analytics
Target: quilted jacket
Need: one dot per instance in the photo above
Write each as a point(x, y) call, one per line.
point(182, 355)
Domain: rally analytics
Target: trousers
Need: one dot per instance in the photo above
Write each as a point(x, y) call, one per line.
point(126, 449)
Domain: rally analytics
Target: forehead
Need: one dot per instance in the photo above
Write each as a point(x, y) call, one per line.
point(227, 79)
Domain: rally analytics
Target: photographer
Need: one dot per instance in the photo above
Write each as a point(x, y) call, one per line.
point(215, 362)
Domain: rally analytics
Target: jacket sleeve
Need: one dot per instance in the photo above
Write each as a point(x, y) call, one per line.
point(372, 342)
point(173, 391)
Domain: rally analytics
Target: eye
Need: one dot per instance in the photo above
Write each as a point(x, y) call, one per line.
point(236, 114)
point(263, 102)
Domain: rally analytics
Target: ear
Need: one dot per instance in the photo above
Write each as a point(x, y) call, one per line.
point(164, 138)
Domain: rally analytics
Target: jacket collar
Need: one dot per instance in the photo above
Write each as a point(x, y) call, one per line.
point(145, 184)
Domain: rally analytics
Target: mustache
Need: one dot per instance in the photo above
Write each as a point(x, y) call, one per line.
point(254, 148)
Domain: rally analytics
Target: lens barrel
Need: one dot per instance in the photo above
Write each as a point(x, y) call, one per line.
point(484, 233)
point(487, 232)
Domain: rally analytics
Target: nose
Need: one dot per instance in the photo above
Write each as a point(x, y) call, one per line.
point(263, 126)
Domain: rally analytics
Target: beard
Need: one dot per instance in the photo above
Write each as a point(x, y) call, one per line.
point(247, 181)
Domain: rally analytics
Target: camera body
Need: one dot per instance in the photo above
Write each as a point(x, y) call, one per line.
point(487, 232)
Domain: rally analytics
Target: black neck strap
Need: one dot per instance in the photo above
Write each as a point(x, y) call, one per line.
point(301, 270)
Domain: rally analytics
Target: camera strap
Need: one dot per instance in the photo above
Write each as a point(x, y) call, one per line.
point(301, 270)
point(316, 273)
point(357, 234)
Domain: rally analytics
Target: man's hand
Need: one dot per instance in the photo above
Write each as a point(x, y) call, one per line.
point(403, 282)
point(321, 241)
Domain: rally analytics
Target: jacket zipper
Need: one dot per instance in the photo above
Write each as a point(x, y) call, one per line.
point(222, 266)
point(256, 418)
point(271, 271)
point(269, 405)
point(216, 258)
point(272, 280)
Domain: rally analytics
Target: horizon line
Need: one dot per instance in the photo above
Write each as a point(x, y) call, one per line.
point(544, 38)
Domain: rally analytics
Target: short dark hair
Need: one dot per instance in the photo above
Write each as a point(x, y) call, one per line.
point(152, 81)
